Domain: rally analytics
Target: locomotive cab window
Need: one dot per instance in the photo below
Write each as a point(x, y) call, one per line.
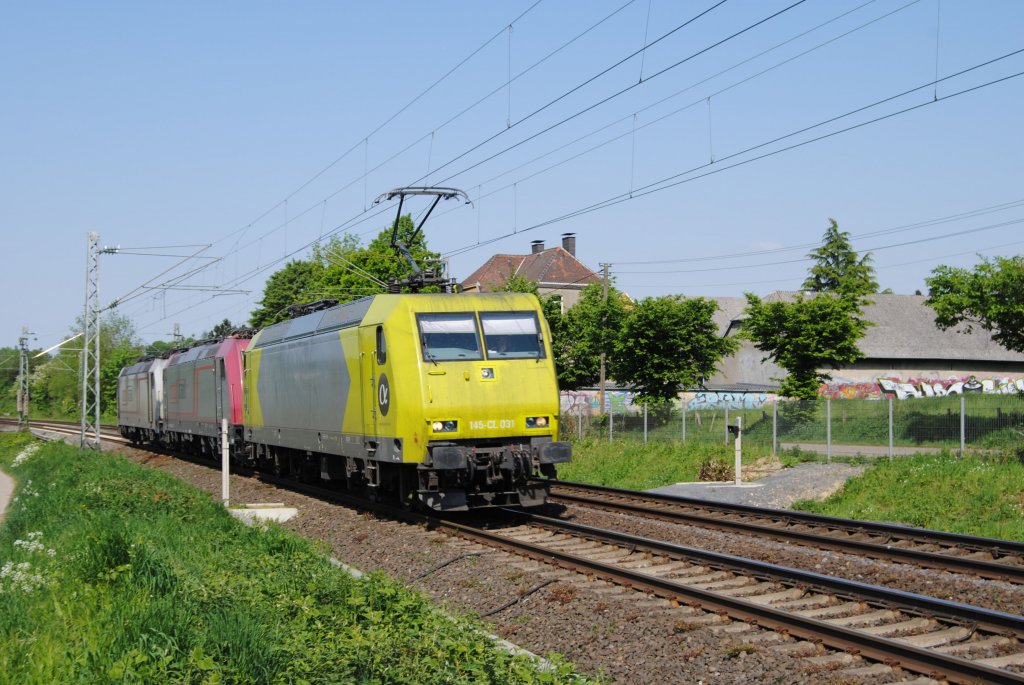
point(382, 349)
point(512, 335)
point(449, 337)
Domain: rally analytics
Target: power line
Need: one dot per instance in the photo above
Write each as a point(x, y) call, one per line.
point(670, 182)
point(928, 239)
point(376, 130)
point(657, 187)
point(665, 70)
point(870, 234)
point(700, 100)
point(608, 98)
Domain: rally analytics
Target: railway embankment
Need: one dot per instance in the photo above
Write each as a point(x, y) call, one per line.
point(110, 571)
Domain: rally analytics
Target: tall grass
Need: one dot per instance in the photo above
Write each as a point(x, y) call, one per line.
point(112, 572)
point(977, 495)
point(632, 465)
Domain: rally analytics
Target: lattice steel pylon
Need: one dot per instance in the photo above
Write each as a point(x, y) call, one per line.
point(90, 436)
point(23, 394)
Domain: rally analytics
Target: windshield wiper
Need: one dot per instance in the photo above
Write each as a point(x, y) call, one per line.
point(428, 355)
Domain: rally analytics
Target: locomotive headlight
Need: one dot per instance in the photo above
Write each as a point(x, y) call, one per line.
point(444, 426)
point(536, 422)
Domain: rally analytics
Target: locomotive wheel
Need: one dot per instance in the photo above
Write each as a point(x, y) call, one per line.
point(278, 466)
point(406, 495)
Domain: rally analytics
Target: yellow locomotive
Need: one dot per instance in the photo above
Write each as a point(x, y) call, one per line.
point(444, 401)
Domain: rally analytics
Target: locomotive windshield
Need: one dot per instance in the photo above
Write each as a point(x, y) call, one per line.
point(450, 337)
point(511, 335)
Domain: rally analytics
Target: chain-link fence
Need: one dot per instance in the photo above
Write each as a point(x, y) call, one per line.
point(885, 427)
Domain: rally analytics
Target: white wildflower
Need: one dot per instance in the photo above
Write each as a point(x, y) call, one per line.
point(30, 545)
point(25, 454)
point(19, 577)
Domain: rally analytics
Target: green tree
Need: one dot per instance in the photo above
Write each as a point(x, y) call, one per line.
point(296, 283)
point(838, 268)
point(806, 335)
point(990, 297)
point(587, 329)
point(667, 343)
point(56, 384)
point(351, 271)
point(221, 330)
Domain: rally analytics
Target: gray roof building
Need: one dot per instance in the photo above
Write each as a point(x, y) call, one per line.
point(902, 342)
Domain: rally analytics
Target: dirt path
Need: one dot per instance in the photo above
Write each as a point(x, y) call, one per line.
point(6, 490)
point(859, 450)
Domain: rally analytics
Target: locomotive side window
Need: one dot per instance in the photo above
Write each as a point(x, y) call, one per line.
point(449, 337)
point(512, 335)
point(382, 348)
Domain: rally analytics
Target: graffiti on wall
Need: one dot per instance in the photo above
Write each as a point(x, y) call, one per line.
point(734, 400)
point(851, 391)
point(903, 390)
point(586, 402)
point(909, 388)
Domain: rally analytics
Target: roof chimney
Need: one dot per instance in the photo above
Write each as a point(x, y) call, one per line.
point(569, 243)
point(536, 246)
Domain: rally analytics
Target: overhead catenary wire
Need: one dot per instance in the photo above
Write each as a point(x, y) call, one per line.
point(671, 182)
point(797, 260)
point(607, 99)
point(319, 203)
point(562, 96)
point(780, 279)
point(656, 188)
point(296, 251)
point(688, 88)
point(367, 170)
point(383, 124)
point(858, 235)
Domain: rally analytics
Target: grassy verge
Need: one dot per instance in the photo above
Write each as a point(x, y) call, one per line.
point(113, 572)
point(977, 495)
point(635, 466)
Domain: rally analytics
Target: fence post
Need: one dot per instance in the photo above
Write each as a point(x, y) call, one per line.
point(645, 424)
point(739, 450)
point(611, 425)
point(963, 424)
point(725, 423)
point(579, 424)
point(890, 430)
point(683, 405)
point(828, 429)
point(775, 426)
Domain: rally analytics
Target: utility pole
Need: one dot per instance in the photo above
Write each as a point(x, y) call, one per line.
point(601, 382)
point(91, 347)
point(176, 335)
point(23, 394)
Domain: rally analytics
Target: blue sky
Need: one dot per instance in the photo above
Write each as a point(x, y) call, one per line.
point(210, 124)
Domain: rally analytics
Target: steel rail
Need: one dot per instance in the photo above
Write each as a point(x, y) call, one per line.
point(924, 661)
point(988, 619)
point(854, 525)
point(960, 564)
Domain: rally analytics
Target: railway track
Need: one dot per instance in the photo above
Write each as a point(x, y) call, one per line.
point(107, 433)
point(874, 629)
point(966, 554)
point(936, 638)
